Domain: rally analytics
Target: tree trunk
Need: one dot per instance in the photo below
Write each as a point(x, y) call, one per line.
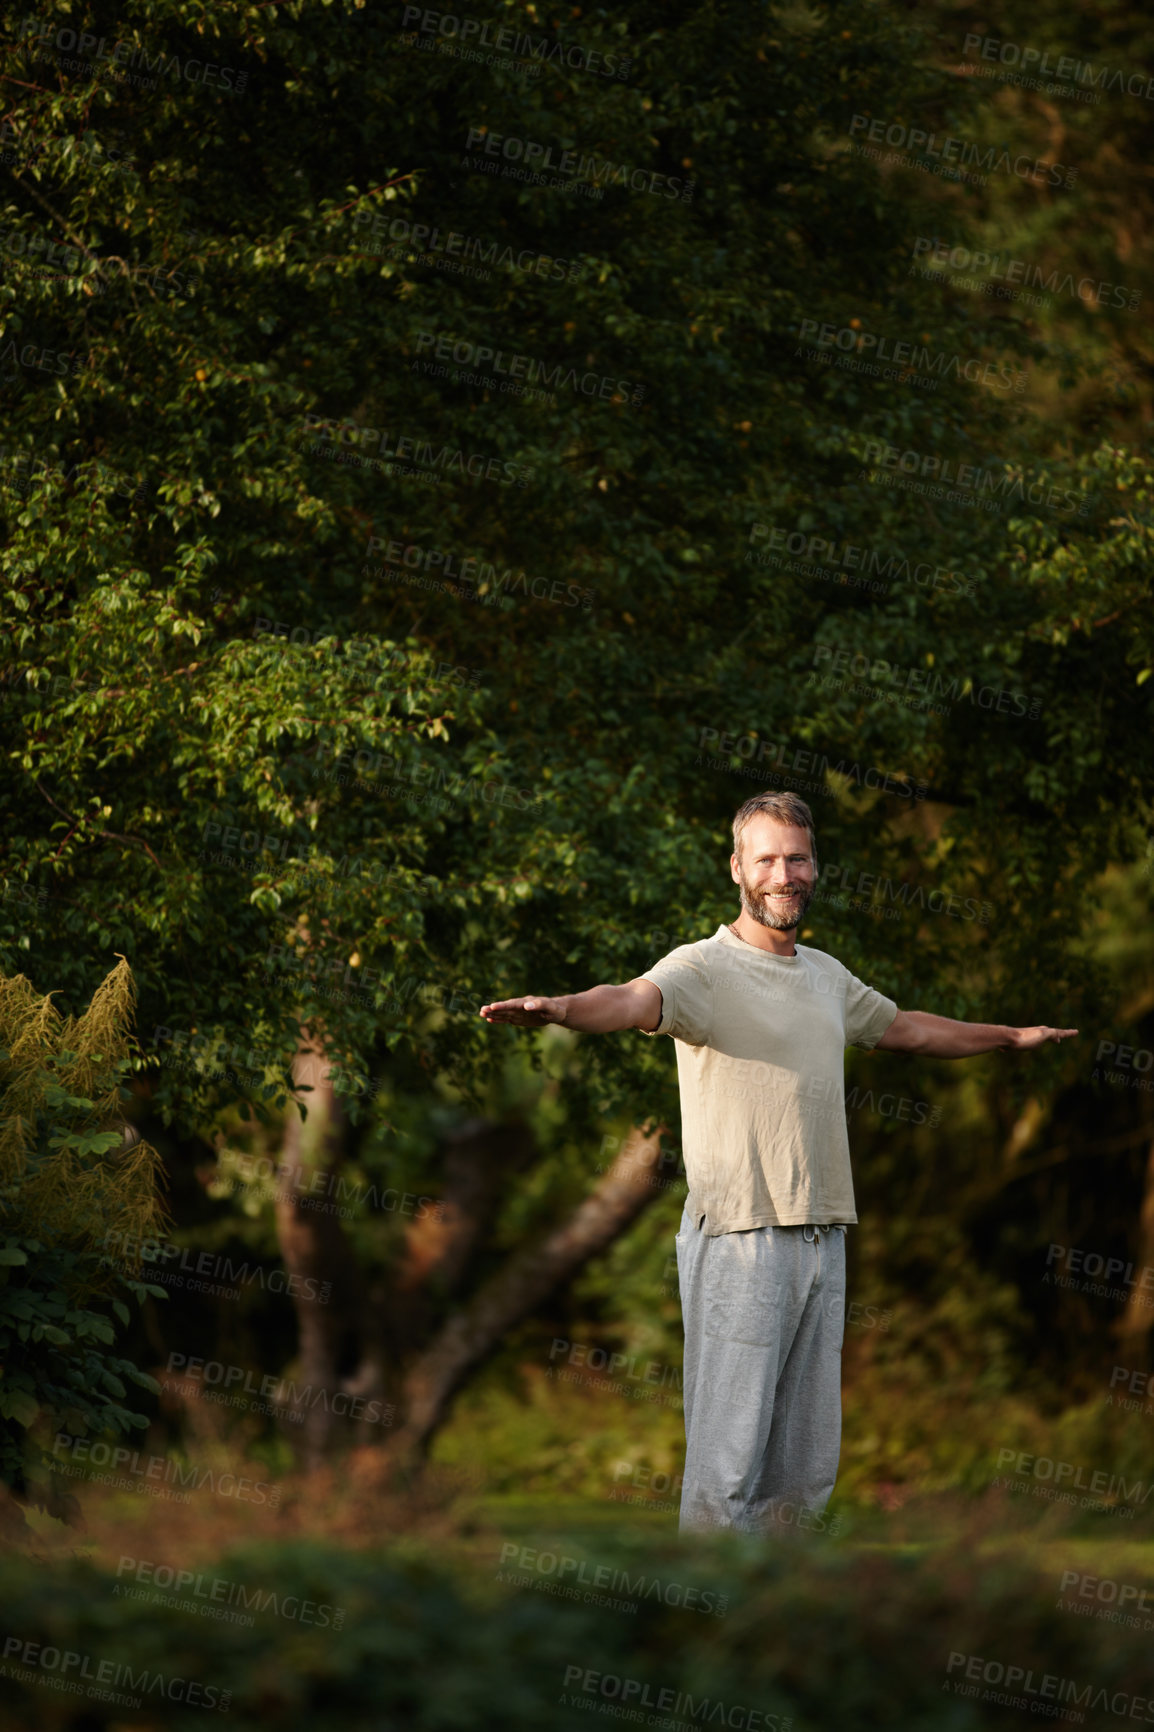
point(315, 1248)
point(404, 1310)
point(529, 1276)
point(390, 1323)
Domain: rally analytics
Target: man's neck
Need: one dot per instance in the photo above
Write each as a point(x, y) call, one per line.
point(764, 937)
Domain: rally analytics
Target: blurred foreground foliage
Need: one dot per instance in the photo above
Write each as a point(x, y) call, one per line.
point(816, 1634)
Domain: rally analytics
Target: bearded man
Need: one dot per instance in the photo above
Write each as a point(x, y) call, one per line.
point(760, 1024)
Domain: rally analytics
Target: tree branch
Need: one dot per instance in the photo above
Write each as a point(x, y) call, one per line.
point(111, 835)
point(530, 1276)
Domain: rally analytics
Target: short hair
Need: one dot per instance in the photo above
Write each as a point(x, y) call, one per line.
point(787, 808)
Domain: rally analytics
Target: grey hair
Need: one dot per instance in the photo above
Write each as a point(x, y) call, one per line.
point(787, 808)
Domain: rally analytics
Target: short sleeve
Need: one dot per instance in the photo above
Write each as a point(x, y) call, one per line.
point(868, 1013)
point(686, 995)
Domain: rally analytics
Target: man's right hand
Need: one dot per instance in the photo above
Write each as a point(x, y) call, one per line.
point(597, 1010)
point(525, 1012)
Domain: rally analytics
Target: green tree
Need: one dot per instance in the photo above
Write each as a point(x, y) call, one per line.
point(252, 751)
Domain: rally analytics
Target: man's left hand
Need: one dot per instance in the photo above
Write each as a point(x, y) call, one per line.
point(1028, 1037)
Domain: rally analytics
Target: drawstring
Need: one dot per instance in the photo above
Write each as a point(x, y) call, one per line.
point(817, 1227)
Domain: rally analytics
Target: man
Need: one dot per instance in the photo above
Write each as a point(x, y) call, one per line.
point(760, 1026)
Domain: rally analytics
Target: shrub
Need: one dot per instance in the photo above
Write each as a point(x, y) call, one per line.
point(72, 1182)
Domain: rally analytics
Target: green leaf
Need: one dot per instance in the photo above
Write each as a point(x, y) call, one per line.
point(17, 1404)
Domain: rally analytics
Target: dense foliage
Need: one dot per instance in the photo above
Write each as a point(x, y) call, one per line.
point(409, 565)
point(395, 1643)
point(73, 1193)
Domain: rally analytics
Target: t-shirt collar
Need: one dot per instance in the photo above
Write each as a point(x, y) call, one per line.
point(735, 943)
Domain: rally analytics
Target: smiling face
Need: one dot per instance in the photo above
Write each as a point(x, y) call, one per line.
point(775, 873)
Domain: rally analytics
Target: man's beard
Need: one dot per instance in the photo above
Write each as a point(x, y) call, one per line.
point(779, 915)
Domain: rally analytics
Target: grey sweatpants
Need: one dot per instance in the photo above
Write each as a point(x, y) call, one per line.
point(764, 1314)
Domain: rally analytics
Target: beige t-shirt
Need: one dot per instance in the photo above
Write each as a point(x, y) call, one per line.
point(761, 1045)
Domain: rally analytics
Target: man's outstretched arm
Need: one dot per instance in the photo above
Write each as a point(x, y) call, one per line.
point(942, 1037)
point(601, 1010)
